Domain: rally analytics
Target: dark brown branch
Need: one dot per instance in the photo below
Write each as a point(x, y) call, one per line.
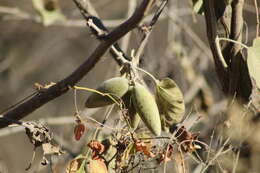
point(239, 83)
point(100, 30)
point(235, 34)
point(234, 78)
point(236, 23)
point(63, 86)
point(211, 23)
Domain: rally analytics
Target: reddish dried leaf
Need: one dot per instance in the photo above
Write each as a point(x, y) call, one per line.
point(187, 138)
point(145, 148)
point(164, 158)
point(79, 131)
point(97, 149)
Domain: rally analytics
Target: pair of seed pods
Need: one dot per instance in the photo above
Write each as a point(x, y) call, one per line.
point(137, 99)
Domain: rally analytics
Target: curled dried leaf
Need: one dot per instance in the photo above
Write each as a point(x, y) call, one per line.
point(37, 132)
point(97, 149)
point(170, 101)
point(40, 135)
point(144, 148)
point(186, 139)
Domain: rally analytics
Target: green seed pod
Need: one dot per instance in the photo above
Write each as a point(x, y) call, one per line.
point(116, 87)
point(147, 109)
point(169, 99)
point(134, 118)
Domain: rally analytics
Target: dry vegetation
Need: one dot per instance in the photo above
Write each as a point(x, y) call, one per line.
point(201, 66)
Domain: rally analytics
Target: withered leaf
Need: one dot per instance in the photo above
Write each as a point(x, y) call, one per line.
point(144, 148)
point(74, 166)
point(170, 102)
point(49, 148)
point(97, 148)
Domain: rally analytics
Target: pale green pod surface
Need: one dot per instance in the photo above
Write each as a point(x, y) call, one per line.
point(116, 87)
point(170, 101)
point(134, 118)
point(147, 109)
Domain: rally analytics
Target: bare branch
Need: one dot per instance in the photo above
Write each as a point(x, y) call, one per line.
point(64, 85)
point(211, 23)
point(236, 23)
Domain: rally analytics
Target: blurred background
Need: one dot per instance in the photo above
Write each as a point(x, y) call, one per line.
point(36, 51)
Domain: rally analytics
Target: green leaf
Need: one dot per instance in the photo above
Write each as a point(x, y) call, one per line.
point(49, 11)
point(198, 6)
point(253, 61)
point(170, 102)
point(147, 109)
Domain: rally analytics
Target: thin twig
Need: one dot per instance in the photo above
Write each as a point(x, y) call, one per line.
point(126, 39)
point(97, 131)
point(75, 101)
point(220, 152)
point(233, 41)
point(210, 145)
point(147, 32)
point(236, 162)
point(257, 18)
point(100, 30)
point(63, 86)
